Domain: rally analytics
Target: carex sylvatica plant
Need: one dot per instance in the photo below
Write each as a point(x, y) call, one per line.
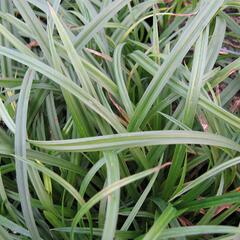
point(119, 119)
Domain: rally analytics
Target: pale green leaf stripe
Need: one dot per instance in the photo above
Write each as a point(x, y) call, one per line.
point(210, 173)
point(5, 222)
point(232, 24)
point(53, 118)
point(56, 5)
point(66, 83)
point(232, 3)
point(216, 43)
point(176, 122)
point(197, 230)
point(98, 23)
point(112, 209)
point(6, 118)
point(20, 149)
point(185, 42)
point(98, 232)
point(196, 79)
point(137, 139)
point(118, 70)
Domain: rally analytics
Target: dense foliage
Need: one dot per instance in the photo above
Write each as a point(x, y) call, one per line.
point(119, 119)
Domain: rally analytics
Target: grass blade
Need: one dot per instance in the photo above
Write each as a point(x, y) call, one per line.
point(197, 230)
point(20, 149)
point(137, 139)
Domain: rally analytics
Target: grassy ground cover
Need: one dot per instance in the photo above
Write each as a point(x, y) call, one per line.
point(119, 119)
